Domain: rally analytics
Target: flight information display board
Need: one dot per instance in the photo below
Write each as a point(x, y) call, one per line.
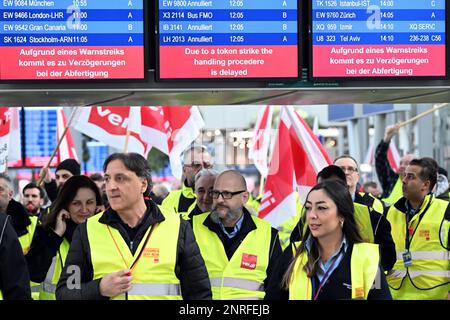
point(71, 39)
point(228, 39)
point(378, 38)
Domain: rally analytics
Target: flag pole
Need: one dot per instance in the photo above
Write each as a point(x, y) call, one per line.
point(41, 179)
point(413, 119)
point(127, 140)
point(261, 185)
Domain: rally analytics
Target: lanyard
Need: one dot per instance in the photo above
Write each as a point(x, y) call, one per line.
point(409, 231)
point(138, 258)
point(327, 275)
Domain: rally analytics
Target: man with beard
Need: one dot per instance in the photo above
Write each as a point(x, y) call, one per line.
point(240, 250)
point(391, 182)
point(195, 158)
point(420, 228)
point(63, 172)
point(33, 200)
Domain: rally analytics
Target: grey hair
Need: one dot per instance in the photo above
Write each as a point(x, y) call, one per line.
point(8, 180)
point(206, 172)
point(195, 147)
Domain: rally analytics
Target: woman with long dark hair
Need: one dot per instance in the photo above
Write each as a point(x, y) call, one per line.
point(78, 200)
point(331, 261)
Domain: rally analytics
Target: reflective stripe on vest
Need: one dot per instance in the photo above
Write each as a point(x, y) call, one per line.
point(155, 289)
point(237, 283)
point(424, 255)
point(241, 277)
point(396, 192)
point(418, 273)
point(54, 272)
point(154, 274)
point(430, 259)
point(363, 269)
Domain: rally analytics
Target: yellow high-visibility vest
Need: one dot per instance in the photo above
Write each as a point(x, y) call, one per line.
point(362, 218)
point(25, 243)
point(428, 277)
point(243, 276)
point(48, 287)
point(363, 269)
point(25, 240)
point(154, 273)
point(172, 201)
point(396, 192)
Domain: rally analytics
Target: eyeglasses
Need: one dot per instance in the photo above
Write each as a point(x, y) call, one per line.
point(204, 165)
point(349, 169)
point(225, 194)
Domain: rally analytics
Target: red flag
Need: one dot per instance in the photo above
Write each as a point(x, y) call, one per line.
point(66, 148)
point(297, 158)
point(109, 125)
point(171, 130)
point(393, 156)
point(261, 138)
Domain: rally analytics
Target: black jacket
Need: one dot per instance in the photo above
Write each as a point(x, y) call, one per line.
point(19, 217)
point(382, 236)
point(51, 189)
point(385, 173)
point(231, 245)
point(338, 285)
point(190, 267)
point(14, 278)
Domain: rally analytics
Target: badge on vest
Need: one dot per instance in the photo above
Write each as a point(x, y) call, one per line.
point(407, 259)
point(425, 234)
point(151, 253)
point(249, 261)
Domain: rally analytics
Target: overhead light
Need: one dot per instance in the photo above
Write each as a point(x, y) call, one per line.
point(242, 134)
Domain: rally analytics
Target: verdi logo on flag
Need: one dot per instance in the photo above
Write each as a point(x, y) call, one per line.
point(109, 125)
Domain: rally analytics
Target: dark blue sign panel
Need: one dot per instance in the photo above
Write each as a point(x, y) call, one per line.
point(98, 154)
point(340, 112)
point(369, 109)
point(378, 38)
point(40, 136)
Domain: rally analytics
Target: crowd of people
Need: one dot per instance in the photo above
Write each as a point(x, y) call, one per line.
point(116, 236)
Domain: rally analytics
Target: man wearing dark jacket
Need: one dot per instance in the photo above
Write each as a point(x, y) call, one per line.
point(133, 250)
point(63, 172)
point(14, 278)
point(391, 181)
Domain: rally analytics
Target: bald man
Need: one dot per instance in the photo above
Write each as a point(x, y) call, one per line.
point(390, 181)
point(239, 249)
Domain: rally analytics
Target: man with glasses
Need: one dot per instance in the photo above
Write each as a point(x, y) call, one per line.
point(239, 249)
point(350, 167)
point(195, 158)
